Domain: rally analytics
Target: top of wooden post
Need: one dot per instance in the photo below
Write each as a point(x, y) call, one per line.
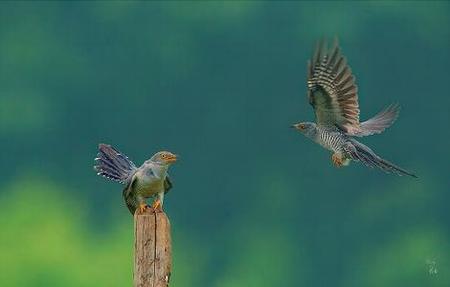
point(153, 249)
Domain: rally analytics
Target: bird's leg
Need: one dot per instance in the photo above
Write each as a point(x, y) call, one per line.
point(337, 159)
point(158, 203)
point(157, 206)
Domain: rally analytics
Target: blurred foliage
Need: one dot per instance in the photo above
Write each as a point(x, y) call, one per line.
point(45, 242)
point(254, 203)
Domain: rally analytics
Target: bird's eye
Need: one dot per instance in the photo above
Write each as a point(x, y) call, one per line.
point(302, 127)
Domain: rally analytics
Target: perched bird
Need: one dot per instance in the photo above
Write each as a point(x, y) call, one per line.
point(149, 180)
point(333, 94)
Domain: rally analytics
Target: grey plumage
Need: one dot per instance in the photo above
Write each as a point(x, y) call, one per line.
point(150, 179)
point(360, 152)
point(333, 93)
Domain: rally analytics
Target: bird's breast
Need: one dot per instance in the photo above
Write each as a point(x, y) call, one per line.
point(150, 187)
point(330, 140)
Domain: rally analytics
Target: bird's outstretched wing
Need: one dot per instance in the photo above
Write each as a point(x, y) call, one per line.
point(332, 90)
point(380, 121)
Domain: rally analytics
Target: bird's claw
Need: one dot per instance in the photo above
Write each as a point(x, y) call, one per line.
point(157, 206)
point(337, 160)
point(143, 207)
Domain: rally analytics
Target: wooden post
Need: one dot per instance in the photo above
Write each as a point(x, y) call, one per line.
point(152, 249)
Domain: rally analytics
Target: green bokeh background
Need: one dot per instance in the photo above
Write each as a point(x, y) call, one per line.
point(253, 203)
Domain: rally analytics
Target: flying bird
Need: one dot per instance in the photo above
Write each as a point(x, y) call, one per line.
point(332, 92)
point(148, 180)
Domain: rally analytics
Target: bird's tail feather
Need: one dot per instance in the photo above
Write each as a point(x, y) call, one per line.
point(364, 154)
point(380, 121)
point(112, 164)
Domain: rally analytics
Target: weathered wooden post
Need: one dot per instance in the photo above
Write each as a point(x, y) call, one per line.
point(152, 249)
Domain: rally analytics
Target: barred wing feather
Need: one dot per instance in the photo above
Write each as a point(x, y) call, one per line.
point(332, 90)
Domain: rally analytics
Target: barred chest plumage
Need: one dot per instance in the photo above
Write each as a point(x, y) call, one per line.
point(330, 139)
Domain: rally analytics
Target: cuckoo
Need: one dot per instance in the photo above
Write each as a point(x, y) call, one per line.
point(148, 180)
point(332, 92)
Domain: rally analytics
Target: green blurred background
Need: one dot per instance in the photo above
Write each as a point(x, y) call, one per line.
point(254, 203)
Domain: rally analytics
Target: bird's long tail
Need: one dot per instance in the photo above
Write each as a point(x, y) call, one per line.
point(380, 121)
point(364, 154)
point(112, 164)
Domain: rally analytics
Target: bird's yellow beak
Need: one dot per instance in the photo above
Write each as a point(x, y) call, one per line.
point(172, 158)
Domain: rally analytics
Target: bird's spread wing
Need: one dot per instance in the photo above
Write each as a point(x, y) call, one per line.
point(380, 121)
point(332, 90)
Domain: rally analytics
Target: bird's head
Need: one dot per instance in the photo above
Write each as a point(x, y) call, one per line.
point(306, 128)
point(164, 158)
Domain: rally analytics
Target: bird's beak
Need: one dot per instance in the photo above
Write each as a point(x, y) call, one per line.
point(172, 159)
point(294, 126)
